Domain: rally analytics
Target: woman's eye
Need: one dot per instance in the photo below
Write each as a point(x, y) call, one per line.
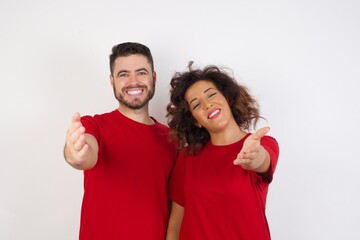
point(212, 94)
point(196, 106)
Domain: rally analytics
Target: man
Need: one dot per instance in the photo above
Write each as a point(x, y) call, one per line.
point(125, 155)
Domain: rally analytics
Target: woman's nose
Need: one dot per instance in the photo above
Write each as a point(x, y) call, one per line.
point(207, 105)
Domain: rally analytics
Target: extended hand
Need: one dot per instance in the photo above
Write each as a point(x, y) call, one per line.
point(252, 154)
point(75, 146)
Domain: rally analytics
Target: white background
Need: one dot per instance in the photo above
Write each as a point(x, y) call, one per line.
point(300, 59)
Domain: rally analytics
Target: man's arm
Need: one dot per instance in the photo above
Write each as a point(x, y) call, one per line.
point(81, 149)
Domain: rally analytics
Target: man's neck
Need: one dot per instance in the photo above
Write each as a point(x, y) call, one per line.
point(139, 115)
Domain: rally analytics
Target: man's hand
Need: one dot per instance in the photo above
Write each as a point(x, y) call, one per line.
point(77, 151)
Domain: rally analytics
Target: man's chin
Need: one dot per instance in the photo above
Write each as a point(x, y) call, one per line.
point(134, 104)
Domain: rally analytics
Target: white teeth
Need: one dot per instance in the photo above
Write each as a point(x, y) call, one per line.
point(213, 113)
point(134, 92)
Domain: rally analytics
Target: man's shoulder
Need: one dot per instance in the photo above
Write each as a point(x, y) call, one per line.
point(100, 115)
point(161, 126)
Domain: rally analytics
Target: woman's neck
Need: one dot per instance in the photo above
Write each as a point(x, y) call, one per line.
point(231, 134)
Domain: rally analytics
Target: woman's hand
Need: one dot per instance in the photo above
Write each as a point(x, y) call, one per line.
point(253, 156)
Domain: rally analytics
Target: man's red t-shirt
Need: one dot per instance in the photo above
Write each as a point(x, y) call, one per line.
point(125, 194)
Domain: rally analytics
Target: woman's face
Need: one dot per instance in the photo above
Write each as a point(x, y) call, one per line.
point(208, 106)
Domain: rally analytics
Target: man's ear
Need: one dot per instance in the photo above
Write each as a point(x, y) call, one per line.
point(112, 80)
point(154, 76)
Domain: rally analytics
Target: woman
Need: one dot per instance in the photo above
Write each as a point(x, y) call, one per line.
point(221, 178)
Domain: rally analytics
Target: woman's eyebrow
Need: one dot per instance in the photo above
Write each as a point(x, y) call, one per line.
point(204, 92)
point(209, 89)
point(192, 101)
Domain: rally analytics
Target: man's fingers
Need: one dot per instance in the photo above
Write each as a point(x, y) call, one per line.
point(83, 150)
point(260, 133)
point(75, 125)
point(79, 143)
point(78, 133)
point(75, 117)
point(75, 122)
point(73, 128)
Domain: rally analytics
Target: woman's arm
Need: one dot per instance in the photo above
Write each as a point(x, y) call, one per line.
point(175, 220)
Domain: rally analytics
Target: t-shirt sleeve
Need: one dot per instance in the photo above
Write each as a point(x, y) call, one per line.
point(176, 185)
point(91, 126)
point(272, 147)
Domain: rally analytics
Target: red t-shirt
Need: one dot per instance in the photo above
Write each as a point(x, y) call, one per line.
point(125, 194)
point(222, 200)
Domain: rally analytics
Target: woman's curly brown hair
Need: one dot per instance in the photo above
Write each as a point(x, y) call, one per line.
point(244, 107)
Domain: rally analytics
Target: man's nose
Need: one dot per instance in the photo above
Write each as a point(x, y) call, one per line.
point(133, 78)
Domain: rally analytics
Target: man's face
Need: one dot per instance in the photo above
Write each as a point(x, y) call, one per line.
point(133, 81)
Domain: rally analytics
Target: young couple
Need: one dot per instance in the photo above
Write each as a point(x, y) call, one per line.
point(213, 169)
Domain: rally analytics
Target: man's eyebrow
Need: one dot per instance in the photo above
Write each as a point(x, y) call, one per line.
point(127, 71)
point(141, 69)
point(121, 71)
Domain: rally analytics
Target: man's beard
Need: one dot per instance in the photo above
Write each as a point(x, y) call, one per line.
point(135, 104)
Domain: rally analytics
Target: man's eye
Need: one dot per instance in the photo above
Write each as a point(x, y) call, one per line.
point(142, 73)
point(123, 75)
